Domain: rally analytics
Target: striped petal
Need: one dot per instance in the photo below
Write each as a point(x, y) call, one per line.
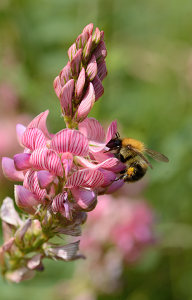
point(57, 86)
point(72, 51)
point(75, 62)
point(102, 70)
point(67, 161)
point(65, 74)
point(82, 39)
point(33, 138)
point(97, 35)
point(92, 129)
point(85, 178)
point(107, 164)
point(87, 49)
point(86, 104)
point(20, 129)
point(85, 198)
point(25, 199)
point(40, 123)
point(60, 204)
point(66, 97)
point(31, 183)
point(98, 87)
point(80, 84)
point(48, 159)
point(69, 140)
point(88, 28)
point(9, 170)
point(111, 131)
point(22, 161)
point(91, 70)
point(45, 178)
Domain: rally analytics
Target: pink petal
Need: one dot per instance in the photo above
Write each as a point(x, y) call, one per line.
point(66, 253)
point(85, 178)
point(40, 122)
point(22, 161)
point(111, 131)
point(45, 178)
point(107, 164)
point(88, 28)
point(82, 39)
point(66, 97)
point(80, 84)
point(35, 262)
point(20, 274)
point(20, 129)
point(75, 62)
point(72, 51)
point(33, 138)
point(31, 183)
point(93, 130)
point(61, 205)
point(48, 159)
point(102, 70)
point(98, 87)
point(69, 140)
point(8, 213)
point(109, 177)
point(67, 161)
point(100, 52)
point(65, 74)
point(86, 104)
point(114, 186)
point(86, 199)
point(25, 199)
point(87, 49)
point(57, 86)
point(9, 170)
point(92, 68)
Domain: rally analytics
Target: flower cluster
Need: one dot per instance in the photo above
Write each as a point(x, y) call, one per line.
point(63, 173)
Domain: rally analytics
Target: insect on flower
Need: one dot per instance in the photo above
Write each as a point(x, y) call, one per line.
point(130, 152)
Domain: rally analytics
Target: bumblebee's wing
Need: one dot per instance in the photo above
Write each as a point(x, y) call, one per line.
point(156, 155)
point(143, 157)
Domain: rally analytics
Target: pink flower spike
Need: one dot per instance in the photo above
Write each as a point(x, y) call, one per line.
point(76, 61)
point(20, 129)
point(40, 123)
point(66, 97)
point(114, 186)
point(87, 49)
point(45, 178)
point(9, 170)
point(65, 74)
point(33, 138)
point(22, 161)
point(67, 161)
point(92, 68)
point(111, 131)
point(98, 87)
point(80, 84)
point(93, 130)
point(57, 86)
point(72, 51)
point(102, 70)
point(85, 178)
point(88, 28)
point(85, 198)
point(70, 140)
point(86, 104)
point(25, 199)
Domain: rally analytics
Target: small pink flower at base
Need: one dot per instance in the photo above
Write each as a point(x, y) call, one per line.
point(60, 204)
point(35, 263)
point(8, 213)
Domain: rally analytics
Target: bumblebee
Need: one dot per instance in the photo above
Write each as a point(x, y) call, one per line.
point(131, 152)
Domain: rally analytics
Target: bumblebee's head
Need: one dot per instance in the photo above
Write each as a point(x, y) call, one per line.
point(114, 144)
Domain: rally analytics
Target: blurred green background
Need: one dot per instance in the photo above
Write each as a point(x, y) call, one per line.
point(148, 90)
